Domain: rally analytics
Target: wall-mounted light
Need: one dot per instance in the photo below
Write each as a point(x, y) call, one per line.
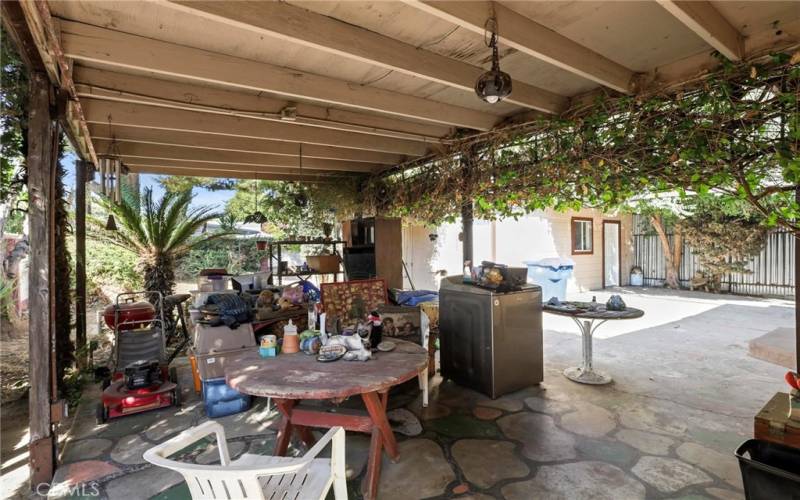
point(494, 85)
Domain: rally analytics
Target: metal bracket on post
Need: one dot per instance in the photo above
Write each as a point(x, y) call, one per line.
point(58, 411)
point(42, 463)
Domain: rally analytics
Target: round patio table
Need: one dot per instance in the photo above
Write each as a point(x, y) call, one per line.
point(588, 321)
point(291, 378)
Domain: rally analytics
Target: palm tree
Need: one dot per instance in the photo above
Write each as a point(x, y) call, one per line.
point(158, 232)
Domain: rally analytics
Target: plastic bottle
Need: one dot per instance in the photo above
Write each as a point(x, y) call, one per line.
point(291, 343)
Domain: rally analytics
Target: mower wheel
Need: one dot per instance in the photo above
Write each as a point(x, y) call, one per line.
point(173, 374)
point(176, 397)
point(101, 413)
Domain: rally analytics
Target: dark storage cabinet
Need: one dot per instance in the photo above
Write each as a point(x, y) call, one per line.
point(490, 342)
point(374, 249)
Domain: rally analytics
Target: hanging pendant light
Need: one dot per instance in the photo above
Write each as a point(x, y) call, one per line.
point(494, 85)
point(257, 216)
point(300, 199)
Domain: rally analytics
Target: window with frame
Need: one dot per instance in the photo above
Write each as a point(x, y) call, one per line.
point(582, 235)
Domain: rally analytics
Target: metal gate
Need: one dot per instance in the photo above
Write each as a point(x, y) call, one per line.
point(771, 272)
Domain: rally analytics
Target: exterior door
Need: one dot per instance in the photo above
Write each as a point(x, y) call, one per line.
point(611, 253)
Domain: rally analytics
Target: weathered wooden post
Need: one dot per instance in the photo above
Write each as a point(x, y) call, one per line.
point(42, 142)
point(467, 161)
point(466, 230)
point(81, 168)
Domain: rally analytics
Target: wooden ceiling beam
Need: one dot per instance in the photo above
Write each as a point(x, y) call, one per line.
point(298, 25)
point(33, 29)
point(139, 150)
point(144, 115)
point(137, 87)
point(161, 168)
point(217, 142)
point(533, 39)
point(84, 42)
point(706, 22)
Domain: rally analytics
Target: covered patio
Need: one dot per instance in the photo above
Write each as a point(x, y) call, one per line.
point(383, 94)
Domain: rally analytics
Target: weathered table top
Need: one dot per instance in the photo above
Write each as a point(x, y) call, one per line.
point(599, 313)
point(301, 376)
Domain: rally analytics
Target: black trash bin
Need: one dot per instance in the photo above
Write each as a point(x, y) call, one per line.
point(770, 471)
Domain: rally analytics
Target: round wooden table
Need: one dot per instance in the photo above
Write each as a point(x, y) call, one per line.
point(291, 378)
point(585, 320)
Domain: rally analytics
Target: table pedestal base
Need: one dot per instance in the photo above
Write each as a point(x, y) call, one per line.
point(585, 374)
point(578, 374)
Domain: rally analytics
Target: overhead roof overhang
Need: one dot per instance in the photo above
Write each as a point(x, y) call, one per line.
point(321, 90)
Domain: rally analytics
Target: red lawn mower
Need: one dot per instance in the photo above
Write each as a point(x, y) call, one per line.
point(141, 379)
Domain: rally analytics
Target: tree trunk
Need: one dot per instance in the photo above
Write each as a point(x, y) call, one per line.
point(159, 274)
point(672, 253)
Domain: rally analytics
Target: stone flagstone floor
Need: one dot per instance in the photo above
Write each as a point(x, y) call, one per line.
point(560, 440)
point(666, 428)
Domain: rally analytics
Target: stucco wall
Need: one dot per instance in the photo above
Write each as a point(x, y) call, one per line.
point(508, 241)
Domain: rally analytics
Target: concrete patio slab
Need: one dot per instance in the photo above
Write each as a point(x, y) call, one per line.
point(777, 346)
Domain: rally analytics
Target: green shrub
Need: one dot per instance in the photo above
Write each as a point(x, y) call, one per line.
point(237, 256)
point(110, 265)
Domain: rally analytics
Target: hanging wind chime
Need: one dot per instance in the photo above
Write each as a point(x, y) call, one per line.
point(494, 85)
point(111, 169)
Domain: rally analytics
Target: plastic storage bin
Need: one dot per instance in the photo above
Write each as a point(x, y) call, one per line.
point(551, 275)
point(637, 276)
point(211, 366)
point(221, 400)
point(770, 471)
point(217, 339)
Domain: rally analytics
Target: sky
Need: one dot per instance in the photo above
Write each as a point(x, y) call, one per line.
point(202, 197)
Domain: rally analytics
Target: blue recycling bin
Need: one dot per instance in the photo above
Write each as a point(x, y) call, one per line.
point(552, 275)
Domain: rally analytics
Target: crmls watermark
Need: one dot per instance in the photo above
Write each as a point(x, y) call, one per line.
point(68, 490)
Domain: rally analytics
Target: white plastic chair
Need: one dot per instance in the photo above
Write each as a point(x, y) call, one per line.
point(257, 476)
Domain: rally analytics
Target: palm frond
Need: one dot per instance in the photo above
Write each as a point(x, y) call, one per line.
point(119, 239)
point(148, 215)
point(188, 228)
point(176, 215)
point(129, 218)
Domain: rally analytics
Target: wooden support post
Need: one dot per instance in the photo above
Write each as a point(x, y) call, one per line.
point(466, 230)
point(80, 263)
point(467, 212)
point(41, 174)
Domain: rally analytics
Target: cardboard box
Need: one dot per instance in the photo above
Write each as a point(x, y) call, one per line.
point(323, 263)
